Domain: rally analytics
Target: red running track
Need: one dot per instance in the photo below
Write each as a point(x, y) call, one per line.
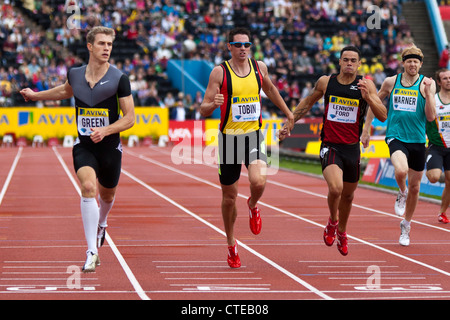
point(166, 241)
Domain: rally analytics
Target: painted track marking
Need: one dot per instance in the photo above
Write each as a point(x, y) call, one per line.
point(137, 287)
point(10, 174)
point(145, 158)
point(262, 257)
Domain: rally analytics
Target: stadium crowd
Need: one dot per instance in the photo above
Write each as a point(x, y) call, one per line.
point(298, 40)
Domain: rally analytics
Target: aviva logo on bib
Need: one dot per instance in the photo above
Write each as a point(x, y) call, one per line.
point(344, 101)
point(444, 118)
point(245, 99)
point(406, 92)
point(93, 112)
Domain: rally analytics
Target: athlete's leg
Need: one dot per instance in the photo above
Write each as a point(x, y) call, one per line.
point(257, 174)
point(414, 178)
point(345, 204)
point(340, 198)
point(434, 175)
point(400, 163)
point(229, 210)
point(89, 206)
point(333, 177)
point(88, 181)
point(435, 162)
point(445, 200)
point(106, 199)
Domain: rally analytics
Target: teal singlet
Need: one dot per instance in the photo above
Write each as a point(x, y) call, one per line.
point(406, 116)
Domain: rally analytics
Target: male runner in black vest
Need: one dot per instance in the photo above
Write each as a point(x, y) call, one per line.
point(346, 98)
point(100, 92)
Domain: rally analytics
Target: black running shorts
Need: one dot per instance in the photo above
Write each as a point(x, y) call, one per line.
point(346, 156)
point(235, 149)
point(414, 152)
point(104, 159)
point(438, 157)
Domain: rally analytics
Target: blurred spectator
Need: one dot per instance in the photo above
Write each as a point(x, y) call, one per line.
point(307, 90)
point(379, 77)
point(444, 58)
point(33, 68)
point(265, 114)
point(150, 95)
point(178, 112)
point(294, 90)
point(376, 65)
point(195, 112)
point(150, 33)
point(310, 41)
point(305, 64)
point(169, 100)
point(198, 97)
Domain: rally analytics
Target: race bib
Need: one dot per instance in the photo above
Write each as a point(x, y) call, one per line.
point(444, 123)
point(245, 108)
point(89, 118)
point(343, 110)
point(405, 100)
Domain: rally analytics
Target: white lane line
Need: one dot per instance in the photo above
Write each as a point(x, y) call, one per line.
point(262, 257)
point(137, 287)
point(343, 261)
point(356, 205)
point(187, 261)
point(315, 194)
point(233, 278)
point(43, 279)
point(295, 215)
point(220, 267)
point(10, 174)
point(209, 272)
point(333, 266)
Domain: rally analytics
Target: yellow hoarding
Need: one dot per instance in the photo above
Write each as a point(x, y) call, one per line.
point(59, 122)
point(150, 121)
point(376, 149)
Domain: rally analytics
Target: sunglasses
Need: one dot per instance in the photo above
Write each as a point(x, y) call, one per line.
point(240, 44)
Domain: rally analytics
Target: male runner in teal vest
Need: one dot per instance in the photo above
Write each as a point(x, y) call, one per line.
point(411, 104)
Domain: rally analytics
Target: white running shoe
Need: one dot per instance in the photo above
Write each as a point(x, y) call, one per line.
point(92, 261)
point(400, 203)
point(404, 235)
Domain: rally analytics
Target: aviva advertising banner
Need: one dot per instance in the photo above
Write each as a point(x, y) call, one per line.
point(150, 121)
point(376, 149)
point(59, 122)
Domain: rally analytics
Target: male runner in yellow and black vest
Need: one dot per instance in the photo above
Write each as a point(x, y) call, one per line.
point(235, 87)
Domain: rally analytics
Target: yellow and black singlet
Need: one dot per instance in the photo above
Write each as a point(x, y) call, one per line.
point(241, 111)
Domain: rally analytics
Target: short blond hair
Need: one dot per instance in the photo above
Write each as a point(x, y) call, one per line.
point(412, 50)
point(90, 38)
